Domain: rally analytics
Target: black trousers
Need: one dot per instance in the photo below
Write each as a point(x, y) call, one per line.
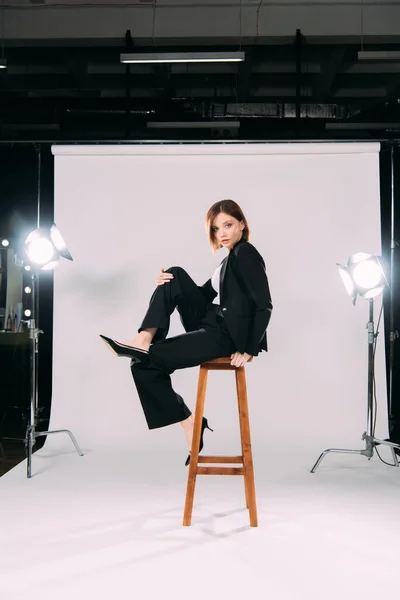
point(206, 338)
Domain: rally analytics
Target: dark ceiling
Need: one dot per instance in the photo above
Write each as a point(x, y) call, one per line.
point(294, 89)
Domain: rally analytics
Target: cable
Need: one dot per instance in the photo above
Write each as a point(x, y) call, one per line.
point(257, 18)
point(375, 412)
point(240, 26)
point(2, 29)
point(240, 48)
point(384, 461)
point(154, 22)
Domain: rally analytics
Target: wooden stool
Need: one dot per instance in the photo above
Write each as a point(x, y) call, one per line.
point(246, 458)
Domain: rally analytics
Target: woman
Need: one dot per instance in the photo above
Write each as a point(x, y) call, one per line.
point(227, 316)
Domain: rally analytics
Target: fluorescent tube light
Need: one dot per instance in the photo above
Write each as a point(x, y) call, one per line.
point(193, 124)
point(379, 55)
point(358, 125)
point(182, 57)
point(3, 63)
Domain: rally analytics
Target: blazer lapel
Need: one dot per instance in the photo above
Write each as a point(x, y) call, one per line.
point(223, 270)
point(222, 277)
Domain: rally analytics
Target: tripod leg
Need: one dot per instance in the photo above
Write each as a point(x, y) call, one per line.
point(339, 450)
point(79, 451)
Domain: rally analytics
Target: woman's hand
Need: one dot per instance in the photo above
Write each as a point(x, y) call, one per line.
point(163, 277)
point(238, 359)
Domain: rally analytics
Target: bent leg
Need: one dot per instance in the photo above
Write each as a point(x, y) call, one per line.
point(182, 293)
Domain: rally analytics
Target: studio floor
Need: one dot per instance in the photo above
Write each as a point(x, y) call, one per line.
point(109, 525)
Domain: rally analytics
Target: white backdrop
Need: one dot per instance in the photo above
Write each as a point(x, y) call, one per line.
point(127, 211)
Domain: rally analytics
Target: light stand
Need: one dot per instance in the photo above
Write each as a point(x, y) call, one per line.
point(34, 331)
point(368, 436)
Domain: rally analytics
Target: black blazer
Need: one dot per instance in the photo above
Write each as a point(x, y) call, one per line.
point(245, 298)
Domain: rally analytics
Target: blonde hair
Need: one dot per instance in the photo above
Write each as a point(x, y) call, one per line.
point(230, 207)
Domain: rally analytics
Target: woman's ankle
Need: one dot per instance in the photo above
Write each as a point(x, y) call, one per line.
point(187, 423)
point(147, 334)
point(187, 426)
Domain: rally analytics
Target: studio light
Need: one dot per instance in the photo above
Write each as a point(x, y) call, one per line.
point(39, 249)
point(181, 57)
point(44, 248)
point(363, 276)
point(5, 243)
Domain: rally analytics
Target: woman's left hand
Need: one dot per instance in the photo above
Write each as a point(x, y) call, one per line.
point(238, 359)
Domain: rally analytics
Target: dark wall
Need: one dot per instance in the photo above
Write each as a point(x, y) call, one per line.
point(386, 199)
point(18, 216)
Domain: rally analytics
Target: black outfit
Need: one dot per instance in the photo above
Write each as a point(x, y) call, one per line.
point(238, 324)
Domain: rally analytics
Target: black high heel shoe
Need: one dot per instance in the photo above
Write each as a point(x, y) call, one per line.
point(136, 354)
point(204, 425)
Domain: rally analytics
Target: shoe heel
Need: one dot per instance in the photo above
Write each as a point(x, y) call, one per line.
point(206, 426)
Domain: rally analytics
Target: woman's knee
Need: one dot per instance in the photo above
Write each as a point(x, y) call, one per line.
point(175, 270)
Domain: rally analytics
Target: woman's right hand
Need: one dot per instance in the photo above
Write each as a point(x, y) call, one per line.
point(163, 277)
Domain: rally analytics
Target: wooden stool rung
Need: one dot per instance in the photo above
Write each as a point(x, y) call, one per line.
point(245, 459)
point(220, 459)
point(220, 471)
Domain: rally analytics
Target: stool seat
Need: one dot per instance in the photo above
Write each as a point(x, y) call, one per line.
point(245, 459)
point(223, 364)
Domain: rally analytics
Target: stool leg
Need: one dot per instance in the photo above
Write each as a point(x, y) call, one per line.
point(246, 445)
point(244, 478)
point(198, 417)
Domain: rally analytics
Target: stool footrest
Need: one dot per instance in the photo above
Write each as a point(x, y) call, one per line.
point(220, 459)
point(220, 471)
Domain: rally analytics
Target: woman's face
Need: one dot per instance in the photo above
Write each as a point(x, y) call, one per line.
point(227, 230)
